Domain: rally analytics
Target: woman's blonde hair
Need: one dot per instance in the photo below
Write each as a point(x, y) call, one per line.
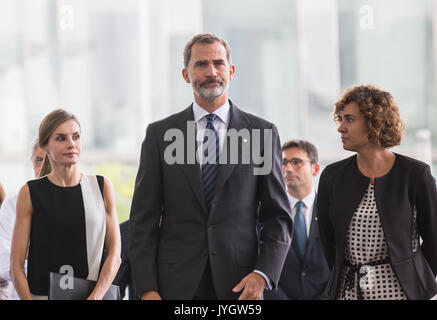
point(48, 125)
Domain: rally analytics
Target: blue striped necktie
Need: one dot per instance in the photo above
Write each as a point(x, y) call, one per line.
point(210, 162)
point(300, 228)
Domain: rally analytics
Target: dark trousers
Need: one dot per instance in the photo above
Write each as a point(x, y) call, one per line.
point(206, 290)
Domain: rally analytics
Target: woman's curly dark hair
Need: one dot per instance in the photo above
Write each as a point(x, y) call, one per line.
point(380, 111)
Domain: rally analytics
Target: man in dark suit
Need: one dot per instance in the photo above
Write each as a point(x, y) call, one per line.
point(305, 273)
point(124, 277)
point(196, 205)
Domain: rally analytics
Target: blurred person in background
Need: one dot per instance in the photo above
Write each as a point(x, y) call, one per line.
point(124, 276)
point(7, 220)
point(305, 273)
point(375, 206)
point(2, 194)
point(3, 282)
point(68, 218)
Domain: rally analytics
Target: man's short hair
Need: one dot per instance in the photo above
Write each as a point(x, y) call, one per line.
point(307, 146)
point(206, 38)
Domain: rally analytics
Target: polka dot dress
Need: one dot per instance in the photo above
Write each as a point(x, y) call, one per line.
point(365, 243)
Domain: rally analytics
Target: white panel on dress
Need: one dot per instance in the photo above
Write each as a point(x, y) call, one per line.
point(95, 223)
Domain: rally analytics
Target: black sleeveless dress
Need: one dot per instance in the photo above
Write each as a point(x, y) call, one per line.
point(64, 222)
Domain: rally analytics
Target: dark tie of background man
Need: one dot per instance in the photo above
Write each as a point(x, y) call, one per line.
point(300, 228)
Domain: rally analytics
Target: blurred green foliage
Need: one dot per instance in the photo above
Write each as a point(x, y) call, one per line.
point(122, 176)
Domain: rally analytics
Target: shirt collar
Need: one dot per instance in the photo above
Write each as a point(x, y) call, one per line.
point(222, 112)
point(308, 200)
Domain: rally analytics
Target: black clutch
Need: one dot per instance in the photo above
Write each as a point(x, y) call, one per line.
point(80, 290)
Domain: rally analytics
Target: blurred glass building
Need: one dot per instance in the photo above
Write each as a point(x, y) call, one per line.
point(117, 65)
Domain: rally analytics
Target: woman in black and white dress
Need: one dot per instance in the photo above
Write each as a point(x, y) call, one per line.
point(375, 206)
point(65, 219)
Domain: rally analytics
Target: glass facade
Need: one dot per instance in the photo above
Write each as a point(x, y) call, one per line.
point(117, 65)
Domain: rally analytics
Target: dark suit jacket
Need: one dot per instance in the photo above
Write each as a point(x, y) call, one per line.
point(124, 276)
point(172, 233)
point(303, 278)
point(407, 205)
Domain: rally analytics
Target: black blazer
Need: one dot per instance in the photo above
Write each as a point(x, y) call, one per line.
point(406, 198)
point(303, 278)
point(172, 233)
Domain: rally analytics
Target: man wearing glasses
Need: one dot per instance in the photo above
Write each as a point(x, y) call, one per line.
point(305, 273)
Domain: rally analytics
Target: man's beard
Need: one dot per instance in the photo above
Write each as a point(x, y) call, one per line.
point(210, 93)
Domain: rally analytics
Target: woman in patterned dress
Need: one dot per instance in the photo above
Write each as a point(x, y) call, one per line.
point(375, 206)
point(65, 219)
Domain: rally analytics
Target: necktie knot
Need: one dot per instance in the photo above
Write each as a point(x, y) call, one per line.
point(299, 205)
point(211, 117)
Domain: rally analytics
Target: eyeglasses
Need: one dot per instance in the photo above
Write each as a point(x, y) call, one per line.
point(295, 162)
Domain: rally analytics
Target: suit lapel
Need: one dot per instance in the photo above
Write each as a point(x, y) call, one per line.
point(191, 171)
point(237, 121)
point(296, 250)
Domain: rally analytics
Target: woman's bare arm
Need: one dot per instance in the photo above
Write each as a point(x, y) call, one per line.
point(20, 243)
point(112, 244)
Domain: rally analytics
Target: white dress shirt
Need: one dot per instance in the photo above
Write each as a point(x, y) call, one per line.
point(221, 125)
point(307, 208)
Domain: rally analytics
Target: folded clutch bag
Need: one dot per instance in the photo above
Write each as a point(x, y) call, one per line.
point(80, 289)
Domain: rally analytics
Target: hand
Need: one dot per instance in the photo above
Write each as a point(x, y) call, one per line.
point(151, 295)
point(93, 297)
point(253, 284)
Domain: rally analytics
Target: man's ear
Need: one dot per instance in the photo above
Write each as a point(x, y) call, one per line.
point(231, 72)
point(185, 75)
point(316, 169)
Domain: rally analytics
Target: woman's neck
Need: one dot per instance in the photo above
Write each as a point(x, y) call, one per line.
point(375, 162)
point(65, 176)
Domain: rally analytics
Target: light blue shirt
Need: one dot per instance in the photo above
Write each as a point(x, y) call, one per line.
point(221, 125)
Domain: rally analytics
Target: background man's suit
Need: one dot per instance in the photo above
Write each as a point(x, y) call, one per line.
point(304, 277)
point(124, 276)
point(170, 255)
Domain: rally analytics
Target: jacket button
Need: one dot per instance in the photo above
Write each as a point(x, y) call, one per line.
point(304, 274)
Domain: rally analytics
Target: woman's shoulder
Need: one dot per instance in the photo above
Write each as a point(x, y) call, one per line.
point(36, 181)
point(101, 180)
point(36, 185)
point(406, 162)
point(340, 166)
point(93, 176)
